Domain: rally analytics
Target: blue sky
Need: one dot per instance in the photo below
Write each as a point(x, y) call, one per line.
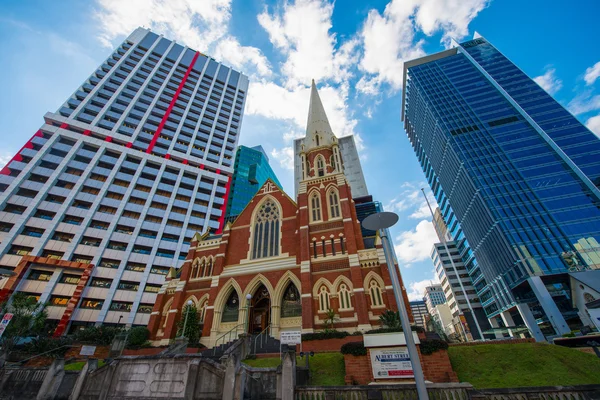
point(353, 49)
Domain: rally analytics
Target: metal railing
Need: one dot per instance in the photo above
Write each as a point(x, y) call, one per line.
point(263, 336)
point(232, 332)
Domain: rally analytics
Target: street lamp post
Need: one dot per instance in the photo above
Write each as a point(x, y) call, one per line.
point(248, 298)
point(189, 303)
point(380, 222)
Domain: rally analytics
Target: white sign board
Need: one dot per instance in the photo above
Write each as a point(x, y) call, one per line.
point(4, 323)
point(291, 337)
point(391, 363)
point(87, 350)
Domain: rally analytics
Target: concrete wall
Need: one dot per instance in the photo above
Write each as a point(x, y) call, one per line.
point(21, 383)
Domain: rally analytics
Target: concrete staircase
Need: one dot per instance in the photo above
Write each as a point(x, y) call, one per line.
point(259, 344)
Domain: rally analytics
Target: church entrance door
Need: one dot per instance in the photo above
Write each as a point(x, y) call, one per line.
point(260, 314)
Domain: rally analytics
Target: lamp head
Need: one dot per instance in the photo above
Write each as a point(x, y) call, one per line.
point(248, 296)
point(190, 303)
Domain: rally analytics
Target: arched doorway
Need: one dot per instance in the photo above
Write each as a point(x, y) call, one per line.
point(260, 312)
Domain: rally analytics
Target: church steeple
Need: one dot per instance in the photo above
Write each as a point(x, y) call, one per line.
point(318, 130)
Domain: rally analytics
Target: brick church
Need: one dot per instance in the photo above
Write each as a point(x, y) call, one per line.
point(282, 264)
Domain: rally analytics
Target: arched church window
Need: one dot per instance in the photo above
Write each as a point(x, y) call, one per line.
point(232, 308)
point(315, 205)
point(320, 166)
point(323, 299)
point(195, 267)
point(266, 231)
point(207, 268)
point(344, 296)
point(202, 311)
point(291, 305)
point(375, 292)
point(334, 204)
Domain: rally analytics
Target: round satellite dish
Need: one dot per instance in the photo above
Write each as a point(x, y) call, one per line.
point(381, 220)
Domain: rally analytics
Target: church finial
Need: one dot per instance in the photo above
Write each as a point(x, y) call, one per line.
point(318, 130)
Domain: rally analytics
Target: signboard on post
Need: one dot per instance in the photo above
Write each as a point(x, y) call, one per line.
point(291, 337)
point(4, 323)
point(87, 350)
point(391, 363)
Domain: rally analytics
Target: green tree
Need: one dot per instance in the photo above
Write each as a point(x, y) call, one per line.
point(390, 319)
point(138, 336)
point(192, 326)
point(29, 318)
point(330, 320)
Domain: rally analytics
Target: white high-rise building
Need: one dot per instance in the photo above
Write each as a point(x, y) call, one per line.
point(432, 296)
point(107, 195)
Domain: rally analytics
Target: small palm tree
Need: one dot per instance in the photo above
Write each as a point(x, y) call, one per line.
point(330, 320)
point(390, 319)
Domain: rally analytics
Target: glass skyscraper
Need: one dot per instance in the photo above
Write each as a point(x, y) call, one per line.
point(108, 193)
point(520, 173)
point(251, 171)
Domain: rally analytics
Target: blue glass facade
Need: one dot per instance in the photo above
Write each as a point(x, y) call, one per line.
point(519, 172)
point(251, 171)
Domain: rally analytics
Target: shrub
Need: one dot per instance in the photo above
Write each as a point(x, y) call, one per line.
point(570, 334)
point(138, 336)
point(49, 347)
point(354, 348)
point(390, 319)
point(433, 345)
point(414, 328)
point(98, 335)
point(324, 335)
point(192, 326)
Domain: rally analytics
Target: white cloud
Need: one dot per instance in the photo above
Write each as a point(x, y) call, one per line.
point(592, 73)
point(285, 156)
point(272, 101)
point(300, 30)
point(239, 56)
point(593, 124)
point(201, 25)
point(389, 38)
point(411, 201)
point(5, 157)
point(584, 102)
point(415, 245)
point(415, 290)
point(549, 81)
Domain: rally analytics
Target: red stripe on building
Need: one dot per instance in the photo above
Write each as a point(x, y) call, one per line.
point(18, 157)
point(224, 207)
point(173, 100)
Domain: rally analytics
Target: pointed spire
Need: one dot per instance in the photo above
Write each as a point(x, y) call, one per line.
point(317, 124)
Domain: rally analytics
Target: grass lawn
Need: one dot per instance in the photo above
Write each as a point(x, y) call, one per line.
point(523, 364)
point(78, 366)
point(326, 369)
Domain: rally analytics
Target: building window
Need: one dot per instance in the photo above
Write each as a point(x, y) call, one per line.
point(202, 311)
point(37, 275)
point(324, 299)
point(70, 279)
point(375, 292)
point(266, 231)
point(101, 282)
point(232, 308)
point(334, 204)
point(315, 207)
point(59, 301)
point(120, 306)
point(92, 304)
point(291, 305)
point(344, 296)
point(320, 166)
point(145, 308)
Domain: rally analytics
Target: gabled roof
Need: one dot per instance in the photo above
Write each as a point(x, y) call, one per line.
point(589, 278)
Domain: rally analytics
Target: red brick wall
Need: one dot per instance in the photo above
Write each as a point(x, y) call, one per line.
point(436, 368)
point(319, 346)
point(358, 370)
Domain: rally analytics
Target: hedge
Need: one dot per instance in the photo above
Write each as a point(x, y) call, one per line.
point(414, 328)
point(324, 335)
point(354, 348)
point(433, 345)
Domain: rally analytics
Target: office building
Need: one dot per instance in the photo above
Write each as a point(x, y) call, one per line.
point(419, 312)
point(251, 170)
point(108, 194)
point(520, 174)
point(433, 296)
